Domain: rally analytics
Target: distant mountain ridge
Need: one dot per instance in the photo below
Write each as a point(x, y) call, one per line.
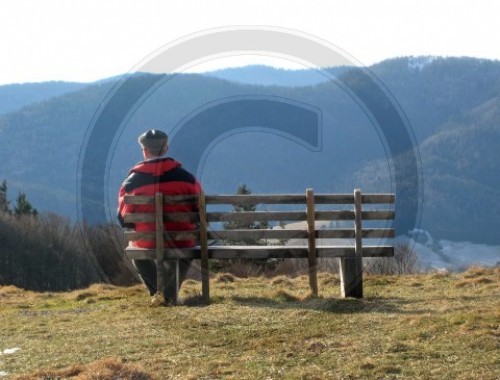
point(453, 105)
point(268, 76)
point(15, 96)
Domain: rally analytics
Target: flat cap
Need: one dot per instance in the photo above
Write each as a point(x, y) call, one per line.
point(153, 140)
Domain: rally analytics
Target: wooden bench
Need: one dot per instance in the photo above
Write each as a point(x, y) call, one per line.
point(215, 210)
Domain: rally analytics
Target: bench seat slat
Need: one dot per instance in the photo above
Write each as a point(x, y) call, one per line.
point(339, 233)
point(259, 252)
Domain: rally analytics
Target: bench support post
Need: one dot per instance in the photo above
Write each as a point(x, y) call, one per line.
point(311, 239)
point(160, 272)
point(171, 288)
point(168, 271)
point(351, 268)
point(205, 274)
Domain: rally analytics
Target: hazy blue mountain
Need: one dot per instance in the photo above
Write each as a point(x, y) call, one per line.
point(452, 104)
point(461, 177)
point(16, 96)
point(268, 76)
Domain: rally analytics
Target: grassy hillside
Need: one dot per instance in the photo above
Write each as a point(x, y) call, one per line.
point(436, 326)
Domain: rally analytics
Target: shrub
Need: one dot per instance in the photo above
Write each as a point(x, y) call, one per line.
point(405, 261)
point(50, 253)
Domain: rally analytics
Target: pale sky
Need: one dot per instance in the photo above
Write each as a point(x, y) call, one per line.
point(88, 40)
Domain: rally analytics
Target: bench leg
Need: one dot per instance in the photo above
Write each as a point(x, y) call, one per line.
point(171, 289)
point(351, 277)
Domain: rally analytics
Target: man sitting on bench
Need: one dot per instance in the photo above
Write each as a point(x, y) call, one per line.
point(165, 175)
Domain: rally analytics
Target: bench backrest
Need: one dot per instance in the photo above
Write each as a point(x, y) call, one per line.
point(316, 219)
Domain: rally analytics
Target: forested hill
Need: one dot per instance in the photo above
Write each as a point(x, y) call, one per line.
point(269, 76)
point(15, 96)
point(453, 106)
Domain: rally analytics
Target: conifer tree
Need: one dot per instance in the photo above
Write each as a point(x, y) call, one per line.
point(4, 203)
point(23, 207)
point(260, 265)
point(245, 190)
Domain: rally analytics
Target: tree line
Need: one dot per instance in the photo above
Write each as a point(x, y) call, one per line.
point(47, 252)
point(22, 207)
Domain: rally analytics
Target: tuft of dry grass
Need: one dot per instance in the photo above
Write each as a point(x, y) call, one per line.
point(105, 369)
point(282, 281)
point(476, 271)
point(284, 296)
point(407, 327)
point(225, 277)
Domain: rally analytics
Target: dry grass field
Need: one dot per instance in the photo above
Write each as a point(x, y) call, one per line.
point(433, 326)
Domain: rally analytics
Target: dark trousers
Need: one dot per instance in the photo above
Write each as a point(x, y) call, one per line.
point(147, 271)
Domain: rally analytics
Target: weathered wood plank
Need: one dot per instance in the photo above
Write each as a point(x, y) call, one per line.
point(349, 251)
point(345, 215)
point(139, 218)
point(190, 217)
point(349, 198)
point(334, 215)
point(296, 199)
point(264, 199)
point(132, 235)
point(205, 274)
point(282, 216)
point(334, 199)
point(181, 235)
point(351, 268)
point(180, 199)
point(278, 234)
point(349, 233)
point(167, 199)
point(339, 233)
point(357, 223)
point(171, 292)
point(255, 199)
point(378, 215)
point(337, 215)
point(350, 256)
point(378, 233)
point(168, 235)
point(249, 216)
point(378, 198)
point(311, 243)
point(160, 270)
point(257, 234)
point(139, 199)
point(259, 252)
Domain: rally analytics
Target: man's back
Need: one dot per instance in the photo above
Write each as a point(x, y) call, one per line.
point(166, 176)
